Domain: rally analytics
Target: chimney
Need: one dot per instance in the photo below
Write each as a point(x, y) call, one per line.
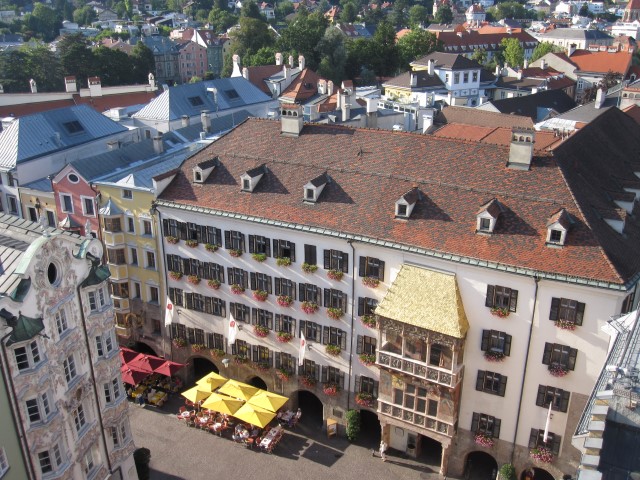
point(543, 64)
point(346, 106)
point(322, 86)
point(152, 81)
point(571, 50)
point(286, 72)
point(330, 88)
point(34, 87)
point(339, 100)
point(519, 74)
point(413, 80)
point(206, 121)
point(185, 121)
point(291, 120)
point(521, 148)
point(290, 61)
point(427, 120)
point(372, 105)
point(95, 86)
point(70, 84)
point(498, 70)
point(301, 62)
point(236, 66)
point(245, 73)
point(113, 145)
point(459, 34)
point(1, 88)
point(278, 59)
point(158, 147)
point(526, 63)
point(601, 96)
point(430, 67)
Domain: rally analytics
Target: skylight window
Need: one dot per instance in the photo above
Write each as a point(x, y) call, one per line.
point(196, 101)
point(232, 94)
point(73, 127)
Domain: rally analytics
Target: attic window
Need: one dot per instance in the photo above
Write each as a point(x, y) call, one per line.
point(249, 180)
point(555, 236)
point(557, 228)
point(313, 189)
point(73, 127)
point(401, 211)
point(196, 101)
point(487, 216)
point(231, 94)
point(197, 176)
point(310, 194)
point(404, 205)
point(246, 184)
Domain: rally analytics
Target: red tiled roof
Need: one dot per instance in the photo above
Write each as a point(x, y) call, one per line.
point(107, 102)
point(23, 109)
point(602, 62)
point(371, 169)
point(303, 87)
point(633, 5)
point(466, 115)
point(258, 74)
point(492, 135)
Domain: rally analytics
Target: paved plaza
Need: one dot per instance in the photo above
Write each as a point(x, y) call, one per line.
point(181, 452)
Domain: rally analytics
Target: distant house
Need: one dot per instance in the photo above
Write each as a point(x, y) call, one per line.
point(165, 53)
point(107, 15)
point(274, 79)
point(466, 42)
point(267, 10)
point(192, 61)
point(217, 46)
point(526, 81)
point(580, 37)
point(537, 106)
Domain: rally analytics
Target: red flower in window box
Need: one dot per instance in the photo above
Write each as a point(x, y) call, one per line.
point(193, 279)
point(237, 289)
point(369, 321)
point(240, 359)
point(215, 284)
point(365, 400)
point(331, 389)
point(284, 337)
point(284, 375)
point(260, 295)
point(179, 342)
point(309, 268)
point(558, 370)
point(260, 331)
point(335, 275)
point(171, 239)
point(501, 312)
point(197, 347)
point(367, 359)
point(262, 367)
point(284, 300)
point(493, 356)
point(542, 454)
point(175, 275)
point(371, 282)
point(483, 440)
point(335, 313)
point(308, 381)
point(217, 352)
point(309, 307)
point(565, 324)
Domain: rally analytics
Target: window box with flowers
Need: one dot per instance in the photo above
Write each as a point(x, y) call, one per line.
point(367, 359)
point(333, 350)
point(365, 399)
point(198, 347)
point(237, 289)
point(193, 279)
point(335, 275)
point(260, 331)
point(369, 321)
point(558, 370)
point(308, 381)
point(179, 342)
point(542, 454)
point(191, 243)
point(501, 312)
point(283, 374)
point(211, 247)
point(284, 337)
point(565, 324)
point(335, 313)
point(309, 307)
point(259, 257)
point(371, 282)
point(240, 359)
point(283, 261)
point(217, 352)
point(494, 356)
point(331, 389)
point(171, 239)
point(212, 283)
point(235, 252)
point(262, 367)
point(284, 300)
point(309, 267)
point(484, 440)
point(175, 275)
point(260, 295)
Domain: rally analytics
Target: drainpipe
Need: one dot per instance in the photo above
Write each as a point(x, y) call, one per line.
point(524, 373)
point(353, 291)
point(153, 210)
point(13, 400)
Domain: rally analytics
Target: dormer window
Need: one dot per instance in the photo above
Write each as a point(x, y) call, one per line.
point(249, 180)
point(487, 216)
point(197, 176)
point(310, 194)
point(557, 228)
point(313, 189)
point(401, 210)
point(246, 184)
point(555, 236)
point(405, 204)
point(203, 169)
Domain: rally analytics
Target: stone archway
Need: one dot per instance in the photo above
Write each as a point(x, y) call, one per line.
point(370, 429)
point(257, 382)
point(200, 366)
point(428, 450)
point(535, 473)
point(312, 408)
point(144, 348)
point(480, 466)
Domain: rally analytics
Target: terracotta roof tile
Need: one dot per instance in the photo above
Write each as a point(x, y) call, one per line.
point(466, 115)
point(303, 87)
point(602, 62)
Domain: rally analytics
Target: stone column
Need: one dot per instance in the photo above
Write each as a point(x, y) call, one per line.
point(444, 461)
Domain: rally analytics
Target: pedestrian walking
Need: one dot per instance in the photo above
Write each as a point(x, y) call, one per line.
point(383, 450)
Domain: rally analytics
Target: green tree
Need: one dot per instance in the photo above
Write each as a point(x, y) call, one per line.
point(360, 54)
point(250, 9)
point(44, 67)
point(76, 58)
point(444, 15)
point(415, 44)
point(542, 49)
point(263, 56)
point(349, 12)
point(398, 16)
point(252, 35)
point(302, 36)
point(84, 15)
point(221, 20)
point(480, 56)
point(333, 56)
point(418, 16)
point(283, 9)
point(142, 62)
point(114, 67)
point(513, 52)
point(44, 21)
point(385, 62)
point(510, 9)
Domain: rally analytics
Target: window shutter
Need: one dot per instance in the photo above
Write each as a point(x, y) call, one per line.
point(503, 385)
point(278, 285)
point(302, 327)
point(218, 236)
point(490, 293)
point(292, 248)
point(555, 444)
point(486, 335)
point(571, 363)
point(227, 239)
point(253, 281)
point(325, 335)
point(359, 344)
point(182, 230)
point(242, 243)
point(345, 262)
point(245, 279)
point(579, 313)
point(480, 380)
point(555, 308)
point(300, 369)
point(318, 330)
point(496, 427)
point(375, 388)
point(564, 401)
point(533, 438)
point(507, 345)
point(546, 356)
point(267, 247)
point(341, 379)
point(276, 248)
point(356, 384)
point(513, 303)
point(233, 349)
point(254, 316)
point(278, 322)
point(327, 297)
point(270, 320)
point(343, 340)
point(302, 292)
point(165, 226)
point(318, 298)
point(252, 243)
point(360, 306)
point(362, 267)
point(278, 360)
point(293, 326)
point(310, 254)
point(223, 309)
point(381, 271)
point(324, 374)
point(185, 266)
point(269, 285)
point(174, 330)
point(475, 420)
point(542, 390)
point(254, 353)
point(270, 358)
point(343, 302)
point(327, 259)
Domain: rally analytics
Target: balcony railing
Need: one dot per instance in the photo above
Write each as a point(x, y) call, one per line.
point(419, 369)
point(415, 418)
point(124, 331)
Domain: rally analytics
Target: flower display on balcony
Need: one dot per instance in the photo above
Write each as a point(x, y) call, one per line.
point(260, 331)
point(175, 275)
point(335, 275)
point(210, 247)
point(501, 312)
point(217, 352)
point(309, 268)
point(333, 350)
point(237, 289)
point(542, 454)
point(284, 337)
point(309, 307)
point(367, 359)
point(260, 295)
point(558, 370)
point(369, 321)
point(283, 261)
point(284, 300)
point(365, 400)
point(262, 367)
point(371, 282)
point(331, 389)
point(335, 313)
point(191, 243)
point(484, 440)
point(212, 283)
point(179, 342)
point(198, 347)
point(259, 257)
point(566, 324)
point(308, 380)
point(235, 252)
point(493, 356)
point(171, 239)
point(240, 359)
point(283, 374)
point(193, 279)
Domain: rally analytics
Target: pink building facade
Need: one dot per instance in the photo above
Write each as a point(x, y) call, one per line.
point(192, 60)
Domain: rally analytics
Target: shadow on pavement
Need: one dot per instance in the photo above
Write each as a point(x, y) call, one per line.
point(155, 475)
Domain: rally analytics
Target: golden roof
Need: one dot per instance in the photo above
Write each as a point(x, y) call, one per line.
point(427, 299)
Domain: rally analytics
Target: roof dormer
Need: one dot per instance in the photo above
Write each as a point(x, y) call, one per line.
point(313, 189)
point(614, 217)
point(202, 170)
point(249, 179)
point(557, 228)
point(487, 216)
point(404, 205)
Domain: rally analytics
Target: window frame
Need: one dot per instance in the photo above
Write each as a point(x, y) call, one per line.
point(558, 397)
point(536, 439)
point(501, 297)
point(63, 205)
point(492, 383)
point(559, 354)
point(566, 310)
point(496, 341)
point(371, 267)
point(31, 354)
point(481, 423)
point(70, 369)
point(85, 200)
point(336, 260)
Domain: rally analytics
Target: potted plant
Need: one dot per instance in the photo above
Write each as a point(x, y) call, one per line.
point(566, 324)
point(558, 370)
point(308, 380)
point(331, 389)
point(237, 289)
point(260, 331)
point(193, 279)
point(371, 282)
point(493, 356)
point(284, 300)
point(217, 352)
point(260, 295)
point(335, 313)
point(210, 247)
point(335, 274)
point(353, 425)
point(240, 359)
point(284, 337)
point(213, 283)
point(191, 243)
point(333, 350)
point(283, 374)
point(235, 252)
point(542, 454)
point(259, 257)
point(368, 321)
point(175, 275)
point(283, 261)
point(365, 400)
point(262, 367)
point(309, 268)
point(309, 307)
point(367, 359)
point(501, 312)
point(171, 239)
point(507, 472)
point(197, 347)
point(179, 342)
point(483, 440)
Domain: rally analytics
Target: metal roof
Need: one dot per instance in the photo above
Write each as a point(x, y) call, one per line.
point(105, 163)
point(47, 132)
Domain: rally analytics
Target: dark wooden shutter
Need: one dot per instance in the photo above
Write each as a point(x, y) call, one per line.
point(564, 401)
point(480, 380)
point(475, 421)
point(234, 349)
point(571, 363)
point(490, 294)
point(546, 356)
point(278, 323)
point(302, 292)
point(182, 230)
point(327, 259)
point(276, 248)
point(327, 296)
point(486, 336)
point(555, 444)
point(269, 285)
point(343, 302)
point(254, 353)
point(345, 262)
point(343, 340)
point(542, 390)
point(223, 308)
point(218, 239)
point(324, 374)
point(356, 384)
point(579, 313)
point(555, 308)
point(325, 335)
point(254, 316)
point(252, 243)
point(375, 388)
point(270, 361)
point(513, 303)
point(533, 438)
point(227, 239)
point(254, 283)
point(362, 267)
point(310, 254)
point(302, 327)
point(507, 345)
point(318, 332)
point(503, 385)
point(381, 271)
point(360, 306)
point(341, 379)
point(278, 285)
point(292, 249)
point(245, 279)
point(270, 320)
point(165, 227)
point(496, 427)
point(318, 298)
point(359, 344)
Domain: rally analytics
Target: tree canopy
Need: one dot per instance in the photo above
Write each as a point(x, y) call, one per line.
point(444, 14)
point(542, 49)
point(416, 44)
point(512, 51)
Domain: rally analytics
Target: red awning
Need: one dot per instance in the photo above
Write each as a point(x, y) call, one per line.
point(131, 376)
point(169, 368)
point(146, 363)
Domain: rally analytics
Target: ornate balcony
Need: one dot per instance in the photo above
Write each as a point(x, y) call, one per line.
point(424, 371)
point(414, 418)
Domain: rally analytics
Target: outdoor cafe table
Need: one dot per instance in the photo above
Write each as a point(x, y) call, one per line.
point(158, 398)
point(271, 437)
point(186, 414)
point(139, 391)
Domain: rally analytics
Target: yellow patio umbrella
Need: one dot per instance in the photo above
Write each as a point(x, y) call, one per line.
point(268, 400)
point(240, 390)
point(222, 404)
point(196, 394)
point(212, 379)
point(257, 416)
